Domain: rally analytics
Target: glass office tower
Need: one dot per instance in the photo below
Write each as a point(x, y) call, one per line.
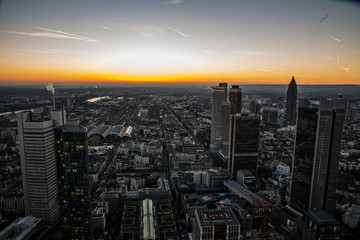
point(73, 179)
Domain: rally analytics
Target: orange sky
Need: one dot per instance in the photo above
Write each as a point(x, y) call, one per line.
point(181, 42)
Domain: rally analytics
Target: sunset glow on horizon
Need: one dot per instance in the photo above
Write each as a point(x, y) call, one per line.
point(164, 41)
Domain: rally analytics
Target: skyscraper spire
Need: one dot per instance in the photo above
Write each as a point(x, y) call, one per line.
point(293, 80)
point(291, 100)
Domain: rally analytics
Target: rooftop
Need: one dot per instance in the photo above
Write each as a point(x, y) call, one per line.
point(245, 173)
point(213, 217)
point(72, 128)
point(216, 215)
point(20, 228)
point(322, 217)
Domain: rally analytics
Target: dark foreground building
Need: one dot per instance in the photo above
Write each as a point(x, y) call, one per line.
point(320, 225)
point(235, 98)
point(74, 191)
point(243, 143)
point(317, 152)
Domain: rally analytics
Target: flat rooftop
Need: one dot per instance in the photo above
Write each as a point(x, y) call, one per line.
point(322, 217)
point(72, 128)
point(216, 215)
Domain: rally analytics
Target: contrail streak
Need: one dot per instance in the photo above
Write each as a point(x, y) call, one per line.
point(334, 38)
point(166, 26)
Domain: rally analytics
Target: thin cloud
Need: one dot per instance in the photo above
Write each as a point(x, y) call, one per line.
point(41, 34)
point(50, 33)
point(173, 2)
point(166, 26)
point(108, 28)
point(253, 53)
point(346, 69)
point(40, 51)
point(338, 59)
point(334, 38)
point(76, 37)
point(264, 70)
point(208, 51)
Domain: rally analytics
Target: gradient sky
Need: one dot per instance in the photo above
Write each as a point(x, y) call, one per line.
point(239, 41)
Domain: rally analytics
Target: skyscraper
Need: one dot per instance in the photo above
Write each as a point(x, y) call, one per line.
point(317, 151)
point(235, 96)
point(220, 112)
point(225, 86)
point(243, 143)
point(291, 98)
point(38, 165)
point(73, 179)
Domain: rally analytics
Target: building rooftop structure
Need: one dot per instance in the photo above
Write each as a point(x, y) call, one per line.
point(72, 128)
point(90, 128)
point(216, 216)
point(212, 217)
point(101, 131)
point(243, 192)
point(116, 130)
point(246, 173)
point(322, 217)
point(148, 219)
point(22, 228)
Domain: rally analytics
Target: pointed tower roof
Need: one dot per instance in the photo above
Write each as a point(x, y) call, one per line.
point(293, 81)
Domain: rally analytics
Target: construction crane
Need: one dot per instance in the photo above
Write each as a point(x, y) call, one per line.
point(266, 210)
point(244, 222)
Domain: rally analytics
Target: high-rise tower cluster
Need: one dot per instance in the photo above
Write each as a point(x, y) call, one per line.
point(54, 163)
point(233, 131)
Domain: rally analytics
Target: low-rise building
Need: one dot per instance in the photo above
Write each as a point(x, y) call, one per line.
point(216, 224)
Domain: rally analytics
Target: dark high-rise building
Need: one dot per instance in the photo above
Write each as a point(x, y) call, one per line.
point(320, 225)
point(220, 112)
point(254, 107)
point(225, 86)
point(73, 181)
point(270, 115)
point(317, 151)
point(235, 96)
point(291, 99)
point(243, 143)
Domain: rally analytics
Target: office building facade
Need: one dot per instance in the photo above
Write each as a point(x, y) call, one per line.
point(73, 181)
point(235, 98)
point(317, 151)
point(220, 112)
point(38, 166)
point(243, 143)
